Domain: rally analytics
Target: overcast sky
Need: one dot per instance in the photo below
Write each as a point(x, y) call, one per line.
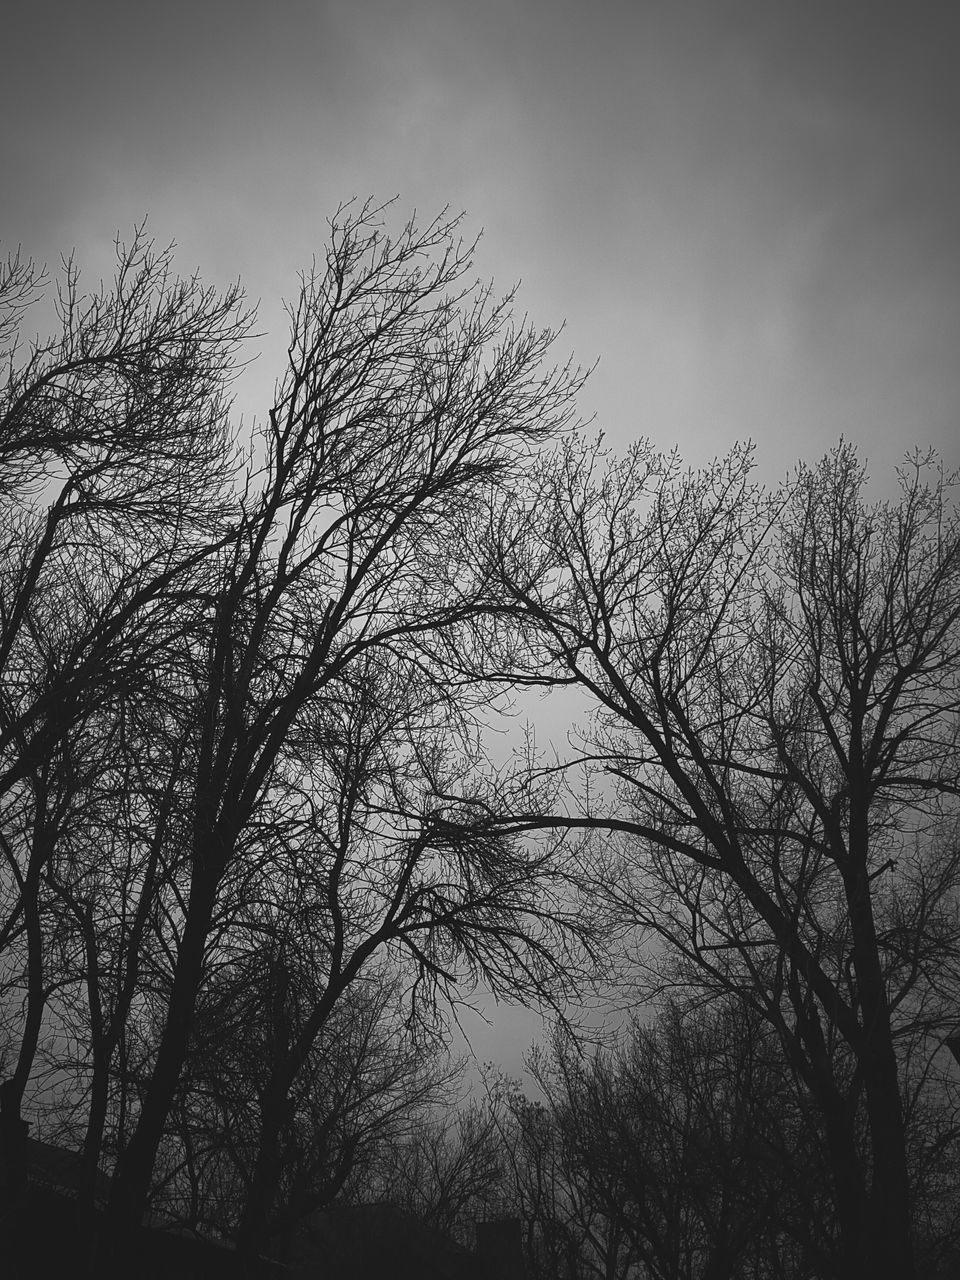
point(748, 210)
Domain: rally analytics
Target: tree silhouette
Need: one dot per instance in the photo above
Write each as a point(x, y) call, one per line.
point(775, 678)
point(233, 724)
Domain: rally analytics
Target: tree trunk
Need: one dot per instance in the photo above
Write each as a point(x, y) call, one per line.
point(96, 1122)
point(100, 1052)
point(131, 1183)
point(849, 1189)
point(259, 1203)
point(890, 1250)
point(40, 852)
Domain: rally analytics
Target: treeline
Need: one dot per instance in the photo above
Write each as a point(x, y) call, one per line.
point(685, 1150)
point(252, 841)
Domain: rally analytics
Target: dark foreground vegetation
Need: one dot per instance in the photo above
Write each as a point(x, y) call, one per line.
point(253, 843)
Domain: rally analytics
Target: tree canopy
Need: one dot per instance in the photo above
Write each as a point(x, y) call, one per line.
point(254, 845)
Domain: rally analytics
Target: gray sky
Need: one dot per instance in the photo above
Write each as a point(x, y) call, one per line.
point(749, 210)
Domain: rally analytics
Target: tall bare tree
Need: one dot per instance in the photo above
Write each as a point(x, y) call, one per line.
point(114, 457)
point(199, 645)
point(408, 399)
point(776, 682)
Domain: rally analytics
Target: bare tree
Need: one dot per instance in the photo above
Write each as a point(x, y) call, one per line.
point(686, 1142)
point(406, 402)
point(113, 455)
point(110, 893)
point(198, 649)
point(567, 1230)
point(366, 1082)
point(775, 680)
point(380, 855)
point(449, 1171)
